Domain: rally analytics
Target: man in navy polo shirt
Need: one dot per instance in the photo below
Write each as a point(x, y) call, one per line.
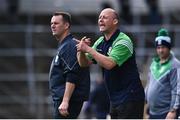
point(69, 83)
point(114, 52)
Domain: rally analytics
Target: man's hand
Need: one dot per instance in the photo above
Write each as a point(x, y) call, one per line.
point(83, 44)
point(171, 115)
point(63, 109)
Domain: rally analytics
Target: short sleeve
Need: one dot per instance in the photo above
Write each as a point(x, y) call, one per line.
point(69, 63)
point(121, 51)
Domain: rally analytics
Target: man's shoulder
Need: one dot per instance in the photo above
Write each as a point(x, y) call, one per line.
point(68, 41)
point(98, 41)
point(175, 62)
point(123, 36)
point(67, 46)
point(123, 39)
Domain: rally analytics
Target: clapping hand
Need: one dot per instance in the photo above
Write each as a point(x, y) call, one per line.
point(83, 44)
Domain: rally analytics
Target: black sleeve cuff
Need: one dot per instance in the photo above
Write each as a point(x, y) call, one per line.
point(72, 78)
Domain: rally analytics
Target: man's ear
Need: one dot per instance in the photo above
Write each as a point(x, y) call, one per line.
point(67, 25)
point(115, 21)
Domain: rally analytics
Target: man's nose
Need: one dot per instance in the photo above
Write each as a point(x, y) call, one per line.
point(161, 50)
point(100, 19)
point(52, 25)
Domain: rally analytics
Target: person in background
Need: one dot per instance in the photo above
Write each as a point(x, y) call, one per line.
point(98, 103)
point(13, 9)
point(154, 16)
point(69, 83)
point(163, 89)
point(114, 52)
point(125, 11)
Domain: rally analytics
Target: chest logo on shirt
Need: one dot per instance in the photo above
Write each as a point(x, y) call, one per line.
point(109, 50)
point(56, 59)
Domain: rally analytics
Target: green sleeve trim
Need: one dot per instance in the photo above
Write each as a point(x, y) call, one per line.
point(122, 49)
point(120, 53)
point(126, 43)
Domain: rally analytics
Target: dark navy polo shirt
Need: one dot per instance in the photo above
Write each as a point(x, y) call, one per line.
point(123, 81)
point(65, 68)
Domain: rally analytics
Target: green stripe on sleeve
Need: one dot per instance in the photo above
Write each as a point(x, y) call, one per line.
point(121, 51)
point(126, 43)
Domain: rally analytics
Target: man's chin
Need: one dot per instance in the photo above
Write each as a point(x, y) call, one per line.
point(101, 30)
point(163, 56)
point(54, 34)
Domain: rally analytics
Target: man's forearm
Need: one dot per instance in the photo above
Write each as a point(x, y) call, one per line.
point(68, 91)
point(82, 60)
point(103, 60)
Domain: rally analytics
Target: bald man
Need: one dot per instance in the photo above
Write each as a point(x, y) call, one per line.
point(114, 52)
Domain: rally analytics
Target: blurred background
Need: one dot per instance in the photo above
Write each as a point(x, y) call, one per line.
point(27, 46)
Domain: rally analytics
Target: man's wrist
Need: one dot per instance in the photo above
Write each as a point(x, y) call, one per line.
point(90, 50)
point(173, 110)
point(65, 100)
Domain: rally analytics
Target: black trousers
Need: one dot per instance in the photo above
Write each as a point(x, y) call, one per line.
point(128, 110)
point(74, 109)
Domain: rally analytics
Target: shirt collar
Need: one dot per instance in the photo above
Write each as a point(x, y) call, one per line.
point(113, 37)
point(69, 36)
